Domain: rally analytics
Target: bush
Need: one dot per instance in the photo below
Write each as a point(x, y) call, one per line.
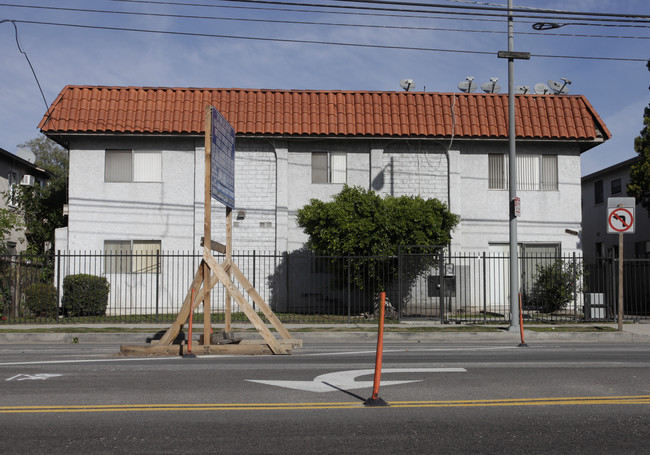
point(41, 300)
point(85, 295)
point(556, 286)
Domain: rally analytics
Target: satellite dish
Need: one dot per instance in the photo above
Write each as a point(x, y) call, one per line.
point(522, 89)
point(542, 89)
point(492, 86)
point(407, 84)
point(468, 85)
point(560, 88)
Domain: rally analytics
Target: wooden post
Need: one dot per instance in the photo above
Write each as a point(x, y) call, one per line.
point(227, 317)
point(207, 225)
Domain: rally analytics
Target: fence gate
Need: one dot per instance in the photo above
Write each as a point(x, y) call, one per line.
point(425, 283)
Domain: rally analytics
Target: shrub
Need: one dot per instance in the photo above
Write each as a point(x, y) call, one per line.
point(85, 295)
point(41, 300)
point(556, 285)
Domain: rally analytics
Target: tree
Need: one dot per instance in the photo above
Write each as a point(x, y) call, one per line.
point(639, 186)
point(42, 206)
point(556, 285)
point(360, 223)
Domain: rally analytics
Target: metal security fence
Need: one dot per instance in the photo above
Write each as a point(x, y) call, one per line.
point(420, 282)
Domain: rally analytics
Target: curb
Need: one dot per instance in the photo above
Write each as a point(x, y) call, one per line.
point(338, 337)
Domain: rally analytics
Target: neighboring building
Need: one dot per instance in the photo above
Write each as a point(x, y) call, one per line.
point(136, 158)
point(596, 189)
point(15, 171)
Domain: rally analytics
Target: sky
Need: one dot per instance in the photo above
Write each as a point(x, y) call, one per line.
point(63, 55)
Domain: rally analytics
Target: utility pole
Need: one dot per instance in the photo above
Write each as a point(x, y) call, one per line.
point(511, 55)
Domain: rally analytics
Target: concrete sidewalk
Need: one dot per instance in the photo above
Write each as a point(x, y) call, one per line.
point(330, 333)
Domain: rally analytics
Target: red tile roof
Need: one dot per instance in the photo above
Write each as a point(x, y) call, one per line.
point(92, 109)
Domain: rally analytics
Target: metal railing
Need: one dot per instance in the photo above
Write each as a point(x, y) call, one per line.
point(305, 287)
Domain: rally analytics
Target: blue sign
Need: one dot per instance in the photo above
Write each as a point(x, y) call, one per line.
point(222, 154)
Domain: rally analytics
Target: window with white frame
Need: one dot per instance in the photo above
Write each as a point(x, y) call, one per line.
point(131, 256)
point(126, 165)
point(534, 172)
point(328, 167)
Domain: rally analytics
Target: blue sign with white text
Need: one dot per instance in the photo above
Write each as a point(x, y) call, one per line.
point(222, 154)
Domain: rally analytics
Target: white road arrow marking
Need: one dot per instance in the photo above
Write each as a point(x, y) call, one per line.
point(33, 377)
point(345, 380)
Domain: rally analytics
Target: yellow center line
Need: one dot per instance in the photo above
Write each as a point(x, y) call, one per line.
point(562, 401)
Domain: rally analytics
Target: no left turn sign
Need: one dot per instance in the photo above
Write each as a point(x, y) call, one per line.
point(620, 215)
point(620, 220)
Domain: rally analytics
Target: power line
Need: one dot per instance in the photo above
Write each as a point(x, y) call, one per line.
point(483, 8)
point(498, 12)
point(293, 22)
point(348, 13)
point(329, 43)
point(20, 49)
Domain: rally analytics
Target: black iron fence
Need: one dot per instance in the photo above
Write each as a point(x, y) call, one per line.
point(304, 287)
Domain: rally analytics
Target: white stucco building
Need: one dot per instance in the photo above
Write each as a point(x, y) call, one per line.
point(136, 163)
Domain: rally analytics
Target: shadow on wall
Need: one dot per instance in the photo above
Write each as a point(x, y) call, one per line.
point(307, 283)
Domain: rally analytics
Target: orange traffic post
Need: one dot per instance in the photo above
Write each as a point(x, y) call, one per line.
point(521, 325)
point(189, 340)
point(374, 400)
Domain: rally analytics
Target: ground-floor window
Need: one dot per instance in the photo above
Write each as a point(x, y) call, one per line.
point(132, 256)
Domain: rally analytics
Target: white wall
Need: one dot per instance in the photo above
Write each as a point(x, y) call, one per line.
point(273, 180)
point(545, 215)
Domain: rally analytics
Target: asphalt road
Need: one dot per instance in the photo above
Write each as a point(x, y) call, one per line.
point(444, 398)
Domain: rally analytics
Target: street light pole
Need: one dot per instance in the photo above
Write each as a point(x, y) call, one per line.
point(512, 178)
point(511, 55)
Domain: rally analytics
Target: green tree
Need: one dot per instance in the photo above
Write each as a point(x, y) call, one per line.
point(42, 206)
point(639, 186)
point(362, 224)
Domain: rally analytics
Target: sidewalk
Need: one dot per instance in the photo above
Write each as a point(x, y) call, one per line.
point(329, 333)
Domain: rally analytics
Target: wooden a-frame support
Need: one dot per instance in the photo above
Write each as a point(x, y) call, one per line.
point(208, 275)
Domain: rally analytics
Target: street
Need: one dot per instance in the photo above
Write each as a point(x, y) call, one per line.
point(444, 398)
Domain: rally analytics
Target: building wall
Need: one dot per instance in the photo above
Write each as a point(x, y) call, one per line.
point(545, 215)
point(273, 180)
point(10, 164)
point(594, 215)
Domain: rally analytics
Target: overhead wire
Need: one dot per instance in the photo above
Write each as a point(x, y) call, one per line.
point(296, 22)
point(500, 11)
point(330, 43)
point(20, 49)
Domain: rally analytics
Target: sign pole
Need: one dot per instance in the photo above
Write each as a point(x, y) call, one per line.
point(620, 282)
point(207, 226)
point(620, 220)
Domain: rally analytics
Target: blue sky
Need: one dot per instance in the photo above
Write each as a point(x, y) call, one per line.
point(618, 90)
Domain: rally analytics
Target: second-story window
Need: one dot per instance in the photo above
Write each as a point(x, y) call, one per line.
point(534, 172)
point(125, 165)
point(328, 167)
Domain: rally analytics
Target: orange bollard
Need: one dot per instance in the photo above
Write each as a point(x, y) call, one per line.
point(374, 400)
point(521, 325)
